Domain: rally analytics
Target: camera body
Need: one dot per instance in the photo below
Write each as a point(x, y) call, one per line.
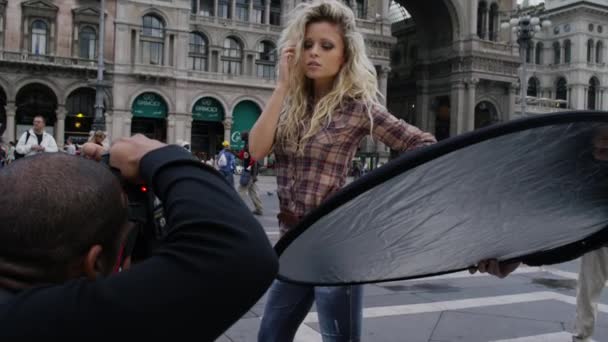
point(145, 212)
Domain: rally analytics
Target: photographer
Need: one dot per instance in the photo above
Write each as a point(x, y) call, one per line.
point(61, 235)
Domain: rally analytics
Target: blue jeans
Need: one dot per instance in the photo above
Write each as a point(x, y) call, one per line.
point(229, 176)
point(340, 311)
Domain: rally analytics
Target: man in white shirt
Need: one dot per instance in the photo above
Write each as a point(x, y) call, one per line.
point(36, 140)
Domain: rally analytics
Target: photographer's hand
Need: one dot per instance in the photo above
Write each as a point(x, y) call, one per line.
point(600, 144)
point(92, 151)
point(126, 153)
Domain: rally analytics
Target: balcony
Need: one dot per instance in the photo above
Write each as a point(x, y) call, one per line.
point(502, 48)
point(541, 105)
point(47, 60)
point(229, 78)
point(233, 23)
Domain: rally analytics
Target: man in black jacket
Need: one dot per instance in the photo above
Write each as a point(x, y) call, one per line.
point(63, 221)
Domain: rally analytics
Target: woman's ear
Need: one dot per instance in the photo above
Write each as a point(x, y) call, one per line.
point(92, 263)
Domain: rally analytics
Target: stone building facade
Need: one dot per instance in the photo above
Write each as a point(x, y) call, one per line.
point(177, 70)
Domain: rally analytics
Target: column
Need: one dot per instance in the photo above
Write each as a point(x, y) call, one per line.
point(171, 129)
point(232, 9)
point(384, 70)
point(60, 112)
point(108, 115)
point(486, 24)
point(188, 128)
point(457, 108)
point(167, 49)
point(423, 119)
point(251, 20)
point(585, 99)
point(470, 115)
point(604, 99)
point(383, 73)
point(9, 133)
point(227, 128)
point(118, 125)
point(125, 130)
point(385, 5)
point(577, 97)
point(215, 5)
point(267, 12)
point(137, 52)
point(473, 18)
point(512, 90)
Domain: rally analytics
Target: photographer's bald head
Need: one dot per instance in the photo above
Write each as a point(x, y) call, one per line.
point(65, 218)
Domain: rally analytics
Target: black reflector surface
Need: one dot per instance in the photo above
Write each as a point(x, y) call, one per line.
point(526, 188)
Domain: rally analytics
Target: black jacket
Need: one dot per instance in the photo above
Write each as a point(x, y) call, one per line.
point(213, 266)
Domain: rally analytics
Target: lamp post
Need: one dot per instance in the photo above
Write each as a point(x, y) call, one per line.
point(525, 27)
point(99, 122)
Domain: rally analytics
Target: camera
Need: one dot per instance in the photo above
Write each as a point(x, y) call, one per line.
point(145, 212)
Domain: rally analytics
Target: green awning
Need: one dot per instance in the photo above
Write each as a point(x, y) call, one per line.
point(245, 115)
point(149, 105)
point(208, 109)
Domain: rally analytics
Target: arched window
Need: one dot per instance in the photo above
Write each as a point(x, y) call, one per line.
point(539, 53)
point(493, 22)
point(556, 53)
point(242, 10)
point(39, 37)
point(232, 56)
point(567, 51)
point(599, 52)
point(482, 10)
point(152, 40)
point(590, 46)
point(533, 87)
point(592, 93)
point(259, 11)
point(561, 91)
point(275, 12)
point(266, 61)
point(87, 42)
point(198, 53)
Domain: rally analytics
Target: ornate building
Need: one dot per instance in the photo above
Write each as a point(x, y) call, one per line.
point(198, 70)
point(567, 63)
point(452, 69)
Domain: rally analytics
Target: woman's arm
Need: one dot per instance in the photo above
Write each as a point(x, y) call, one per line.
point(398, 134)
point(262, 134)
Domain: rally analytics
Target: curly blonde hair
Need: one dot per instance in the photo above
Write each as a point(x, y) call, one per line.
point(355, 80)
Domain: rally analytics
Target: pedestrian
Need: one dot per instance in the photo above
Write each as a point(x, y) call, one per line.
point(69, 147)
point(249, 177)
point(36, 140)
point(226, 162)
point(11, 152)
point(99, 138)
point(324, 103)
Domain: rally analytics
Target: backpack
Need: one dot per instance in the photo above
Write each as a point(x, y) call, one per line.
point(223, 161)
point(17, 154)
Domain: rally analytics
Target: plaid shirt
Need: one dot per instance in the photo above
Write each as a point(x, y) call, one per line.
point(305, 179)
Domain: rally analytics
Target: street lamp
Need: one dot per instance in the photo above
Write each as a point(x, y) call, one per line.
point(525, 27)
point(99, 122)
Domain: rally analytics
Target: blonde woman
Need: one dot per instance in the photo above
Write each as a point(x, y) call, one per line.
point(325, 102)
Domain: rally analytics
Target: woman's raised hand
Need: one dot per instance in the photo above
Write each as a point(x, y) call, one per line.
point(286, 64)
